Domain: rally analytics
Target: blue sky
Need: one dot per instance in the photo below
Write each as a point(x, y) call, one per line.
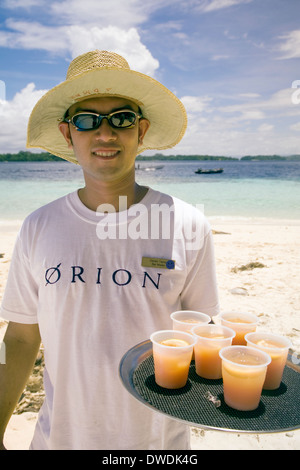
point(234, 63)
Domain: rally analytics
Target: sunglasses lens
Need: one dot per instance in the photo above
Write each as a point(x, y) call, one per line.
point(89, 121)
point(85, 122)
point(123, 119)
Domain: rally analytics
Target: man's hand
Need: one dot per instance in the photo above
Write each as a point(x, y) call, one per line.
point(22, 343)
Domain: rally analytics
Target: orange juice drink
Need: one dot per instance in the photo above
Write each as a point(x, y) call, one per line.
point(277, 347)
point(172, 354)
point(185, 320)
point(210, 340)
point(241, 323)
point(244, 371)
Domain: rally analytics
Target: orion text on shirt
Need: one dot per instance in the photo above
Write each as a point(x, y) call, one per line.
point(120, 277)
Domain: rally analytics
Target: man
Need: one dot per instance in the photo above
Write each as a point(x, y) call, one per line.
point(94, 273)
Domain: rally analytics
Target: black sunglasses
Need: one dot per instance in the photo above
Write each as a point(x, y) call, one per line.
point(86, 121)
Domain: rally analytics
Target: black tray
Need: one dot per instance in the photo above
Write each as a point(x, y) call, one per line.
point(278, 411)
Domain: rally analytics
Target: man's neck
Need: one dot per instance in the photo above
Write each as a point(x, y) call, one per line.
point(95, 194)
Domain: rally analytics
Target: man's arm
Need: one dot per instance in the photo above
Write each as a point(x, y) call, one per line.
point(22, 344)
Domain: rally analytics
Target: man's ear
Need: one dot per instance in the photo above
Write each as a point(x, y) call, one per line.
point(65, 130)
point(144, 125)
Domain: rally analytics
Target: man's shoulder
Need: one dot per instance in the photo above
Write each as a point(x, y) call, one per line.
point(43, 213)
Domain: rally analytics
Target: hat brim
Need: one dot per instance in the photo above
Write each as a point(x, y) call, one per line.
point(166, 113)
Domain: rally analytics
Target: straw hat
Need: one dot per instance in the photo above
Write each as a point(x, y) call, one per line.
point(102, 73)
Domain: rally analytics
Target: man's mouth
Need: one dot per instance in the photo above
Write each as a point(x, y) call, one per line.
point(106, 153)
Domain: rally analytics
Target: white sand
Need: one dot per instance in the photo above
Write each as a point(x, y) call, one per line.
point(271, 292)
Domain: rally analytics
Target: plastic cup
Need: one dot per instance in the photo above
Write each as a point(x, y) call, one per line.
point(172, 354)
point(210, 340)
point(277, 347)
point(185, 320)
point(241, 322)
point(244, 371)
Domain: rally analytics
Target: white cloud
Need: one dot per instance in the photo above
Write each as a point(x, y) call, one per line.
point(117, 12)
point(251, 114)
point(168, 26)
point(220, 57)
point(238, 129)
point(290, 48)
point(95, 12)
point(75, 40)
point(249, 95)
point(281, 102)
point(223, 137)
point(296, 127)
point(126, 43)
point(14, 116)
point(25, 35)
point(26, 4)
point(114, 13)
point(265, 127)
point(211, 5)
point(196, 104)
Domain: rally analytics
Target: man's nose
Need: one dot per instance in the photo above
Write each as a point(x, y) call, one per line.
point(105, 132)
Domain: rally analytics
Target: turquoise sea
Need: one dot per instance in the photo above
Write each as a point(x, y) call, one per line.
point(245, 190)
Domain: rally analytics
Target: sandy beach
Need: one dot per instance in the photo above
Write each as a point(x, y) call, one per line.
point(258, 270)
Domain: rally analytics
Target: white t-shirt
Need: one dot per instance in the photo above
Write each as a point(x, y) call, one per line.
point(79, 275)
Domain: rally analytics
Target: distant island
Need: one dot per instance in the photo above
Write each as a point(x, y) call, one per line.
point(28, 157)
point(256, 158)
point(25, 156)
point(253, 158)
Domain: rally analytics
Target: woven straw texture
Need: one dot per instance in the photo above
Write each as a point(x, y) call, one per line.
point(95, 60)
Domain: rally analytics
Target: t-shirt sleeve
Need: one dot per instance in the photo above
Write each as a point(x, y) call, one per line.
point(200, 291)
point(20, 297)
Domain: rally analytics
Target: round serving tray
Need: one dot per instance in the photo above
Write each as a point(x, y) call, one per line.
point(278, 411)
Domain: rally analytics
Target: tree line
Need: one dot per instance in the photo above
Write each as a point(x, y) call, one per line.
point(24, 156)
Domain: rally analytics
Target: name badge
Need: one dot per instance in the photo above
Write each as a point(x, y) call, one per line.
point(160, 263)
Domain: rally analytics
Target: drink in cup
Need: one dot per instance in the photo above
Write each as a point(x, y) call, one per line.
point(210, 340)
point(244, 371)
point(277, 347)
point(242, 323)
point(185, 320)
point(172, 354)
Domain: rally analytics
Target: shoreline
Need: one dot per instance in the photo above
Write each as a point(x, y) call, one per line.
point(271, 291)
point(229, 220)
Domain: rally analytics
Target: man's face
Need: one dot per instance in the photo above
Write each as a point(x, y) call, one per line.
point(106, 153)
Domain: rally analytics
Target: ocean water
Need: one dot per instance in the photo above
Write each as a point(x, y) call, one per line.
point(245, 190)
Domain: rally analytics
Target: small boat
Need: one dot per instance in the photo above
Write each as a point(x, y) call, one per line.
point(149, 168)
point(209, 171)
